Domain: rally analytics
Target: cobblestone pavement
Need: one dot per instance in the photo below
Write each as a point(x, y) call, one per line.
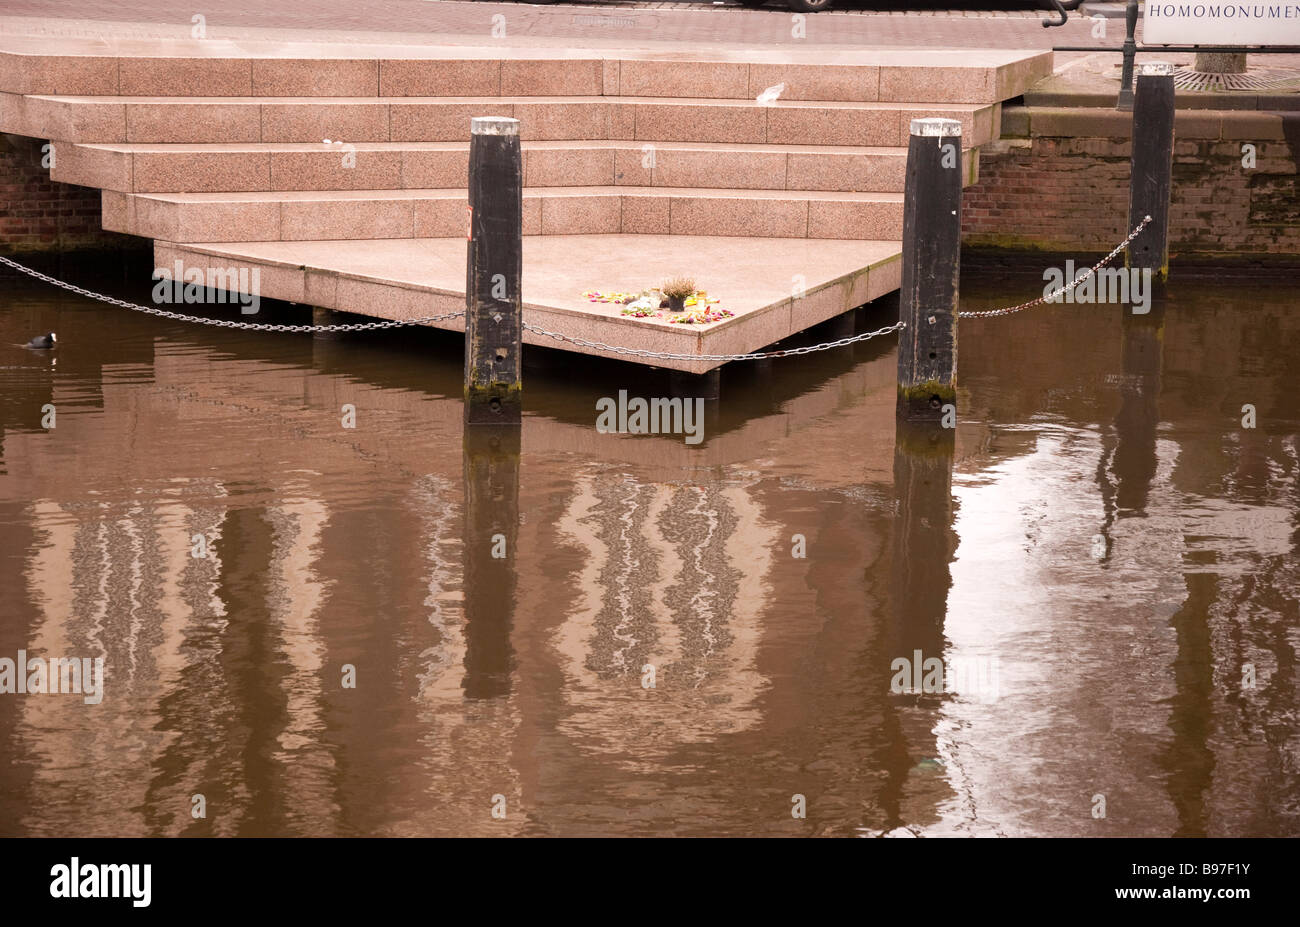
point(628, 23)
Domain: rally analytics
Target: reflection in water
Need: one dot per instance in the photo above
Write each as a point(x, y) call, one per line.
point(1129, 462)
point(491, 467)
point(922, 554)
point(1120, 665)
point(670, 593)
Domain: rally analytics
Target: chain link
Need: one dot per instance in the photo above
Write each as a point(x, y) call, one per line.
point(580, 342)
point(227, 323)
point(987, 314)
point(664, 355)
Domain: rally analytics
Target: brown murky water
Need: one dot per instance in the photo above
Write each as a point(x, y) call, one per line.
point(1113, 556)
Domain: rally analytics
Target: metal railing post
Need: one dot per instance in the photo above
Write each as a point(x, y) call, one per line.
point(1125, 101)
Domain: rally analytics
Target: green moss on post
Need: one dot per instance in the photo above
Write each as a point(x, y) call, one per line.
point(928, 390)
point(925, 401)
point(502, 402)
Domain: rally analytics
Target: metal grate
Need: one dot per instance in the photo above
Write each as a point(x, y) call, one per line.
point(1255, 79)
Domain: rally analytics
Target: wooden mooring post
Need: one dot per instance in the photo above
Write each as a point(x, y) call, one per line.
point(1151, 180)
point(927, 345)
point(493, 303)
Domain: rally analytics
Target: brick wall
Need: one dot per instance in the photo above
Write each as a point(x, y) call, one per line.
point(38, 214)
point(1062, 194)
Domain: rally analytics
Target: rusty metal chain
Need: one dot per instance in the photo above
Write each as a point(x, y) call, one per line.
point(989, 313)
point(226, 323)
point(580, 342)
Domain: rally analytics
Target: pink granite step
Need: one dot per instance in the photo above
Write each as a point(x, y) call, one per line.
point(225, 120)
point(212, 68)
point(409, 278)
point(357, 214)
point(263, 167)
point(637, 165)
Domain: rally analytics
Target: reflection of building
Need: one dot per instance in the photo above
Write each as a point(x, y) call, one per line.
point(1123, 668)
point(192, 646)
point(668, 580)
point(330, 546)
point(119, 580)
point(105, 580)
point(433, 500)
point(296, 595)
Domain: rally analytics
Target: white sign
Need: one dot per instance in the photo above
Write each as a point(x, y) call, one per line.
point(1220, 22)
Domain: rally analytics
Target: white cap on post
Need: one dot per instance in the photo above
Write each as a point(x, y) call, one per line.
point(1155, 69)
point(936, 128)
point(493, 125)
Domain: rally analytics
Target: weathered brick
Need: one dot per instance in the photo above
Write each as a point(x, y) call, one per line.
point(39, 214)
point(1072, 192)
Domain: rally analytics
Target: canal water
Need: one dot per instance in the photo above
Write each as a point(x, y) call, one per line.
point(333, 630)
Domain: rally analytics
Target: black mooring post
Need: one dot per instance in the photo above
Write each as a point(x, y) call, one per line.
point(1152, 168)
point(1125, 101)
point(927, 345)
point(493, 306)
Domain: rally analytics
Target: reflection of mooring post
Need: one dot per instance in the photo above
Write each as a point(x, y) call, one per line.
point(493, 306)
point(923, 545)
point(923, 540)
point(1129, 455)
point(491, 461)
point(1152, 168)
point(1136, 425)
point(927, 345)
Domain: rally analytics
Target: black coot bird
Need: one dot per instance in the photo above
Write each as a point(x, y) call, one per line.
point(43, 342)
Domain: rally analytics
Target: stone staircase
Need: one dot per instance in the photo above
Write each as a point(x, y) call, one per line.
point(329, 162)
